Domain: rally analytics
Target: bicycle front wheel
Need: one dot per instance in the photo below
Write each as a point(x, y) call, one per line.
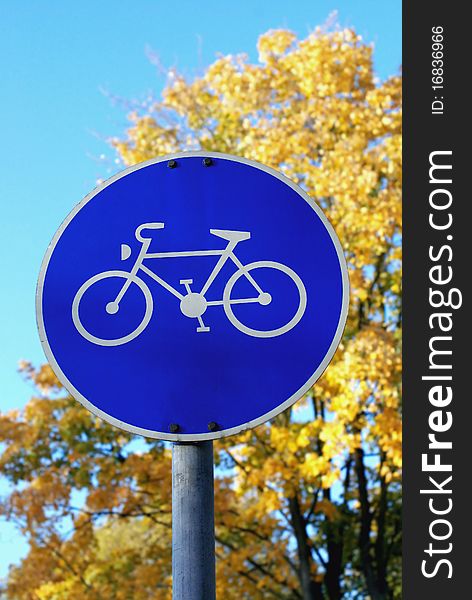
point(264, 298)
point(97, 297)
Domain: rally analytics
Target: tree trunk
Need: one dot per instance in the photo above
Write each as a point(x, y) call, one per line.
point(365, 544)
point(311, 589)
point(380, 552)
point(334, 566)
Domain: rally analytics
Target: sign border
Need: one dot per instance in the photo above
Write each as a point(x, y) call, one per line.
point(189, 437)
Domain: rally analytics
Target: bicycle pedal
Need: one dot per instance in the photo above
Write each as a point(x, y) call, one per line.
point(184, 281)
point(202, 329)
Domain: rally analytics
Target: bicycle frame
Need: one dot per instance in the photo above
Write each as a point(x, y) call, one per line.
point(225, 255)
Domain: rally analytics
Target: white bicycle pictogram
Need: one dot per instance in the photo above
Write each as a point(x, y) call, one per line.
point(192, 304)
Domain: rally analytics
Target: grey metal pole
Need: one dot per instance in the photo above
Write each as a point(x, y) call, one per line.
point(193, 522)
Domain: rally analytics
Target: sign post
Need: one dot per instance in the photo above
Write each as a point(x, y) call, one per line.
point(186, 299)
point(193, 530)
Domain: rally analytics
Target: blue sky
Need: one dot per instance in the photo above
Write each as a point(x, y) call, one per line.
point(58, 62)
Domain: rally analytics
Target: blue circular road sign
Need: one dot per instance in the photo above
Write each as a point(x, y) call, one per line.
point(193, 296)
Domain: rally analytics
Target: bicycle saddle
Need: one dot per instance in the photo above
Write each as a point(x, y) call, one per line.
point(139, 230)
point(230, 235)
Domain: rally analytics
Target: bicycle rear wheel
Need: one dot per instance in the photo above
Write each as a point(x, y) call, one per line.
point(264, 299)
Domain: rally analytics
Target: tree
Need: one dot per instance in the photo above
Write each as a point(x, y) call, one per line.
point(308, 506)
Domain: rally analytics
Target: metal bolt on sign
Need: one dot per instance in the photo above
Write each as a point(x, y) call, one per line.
point(189, 304)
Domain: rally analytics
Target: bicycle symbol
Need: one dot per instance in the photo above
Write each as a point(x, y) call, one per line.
point(192, 304)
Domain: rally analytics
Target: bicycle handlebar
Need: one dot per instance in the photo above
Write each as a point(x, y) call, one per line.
point(141, 228)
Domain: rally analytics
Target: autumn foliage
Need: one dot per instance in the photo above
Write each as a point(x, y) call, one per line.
point(308, 506)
